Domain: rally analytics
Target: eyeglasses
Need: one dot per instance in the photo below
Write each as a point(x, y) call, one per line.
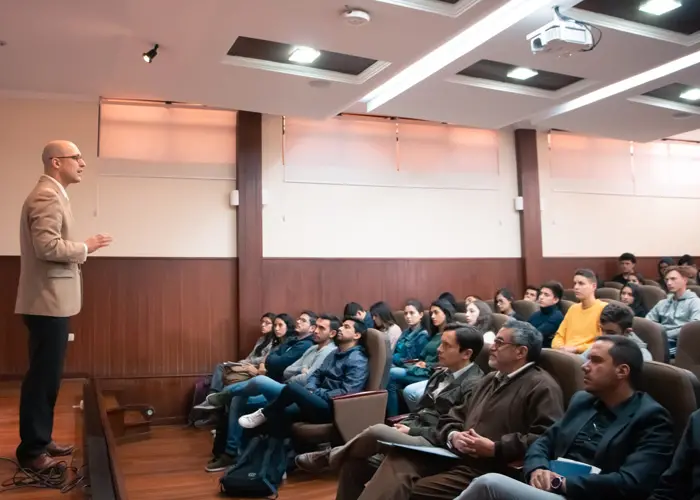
point(498, 343)
point(72, 157)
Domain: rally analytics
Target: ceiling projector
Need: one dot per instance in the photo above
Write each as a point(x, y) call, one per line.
point(561, 37)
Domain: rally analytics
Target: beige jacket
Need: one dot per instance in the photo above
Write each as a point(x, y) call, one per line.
point(50, 283)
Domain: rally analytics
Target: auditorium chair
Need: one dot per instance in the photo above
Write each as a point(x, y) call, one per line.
point(651, 295)
point(565, 368)
point(673, 388)
point(352, 413)
point(491, 305)
point(695, 288)
point(525, 308)
point(613, 284)
point(611, 301)
point(654, 336)
point(652, 283)
point(400, 319)
point(461, 318)
point(688, 348)
point(565, 305)
point(497, 321)
point(482, 360)
point(607, 293)
point(569, 295)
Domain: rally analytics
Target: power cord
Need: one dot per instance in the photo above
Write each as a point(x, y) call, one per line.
point(54, 478)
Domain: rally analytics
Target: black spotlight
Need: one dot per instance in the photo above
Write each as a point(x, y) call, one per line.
point(151, 54)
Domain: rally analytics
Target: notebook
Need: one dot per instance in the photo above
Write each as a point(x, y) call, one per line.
point(432, 450)
point(569, 468)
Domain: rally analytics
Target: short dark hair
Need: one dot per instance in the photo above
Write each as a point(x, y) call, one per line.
point(312, 316)
point(351, 309)
point(468, 337)
point(333, 319)
point(383, 312)
point(360, 328)
point(619, 314)
point(449, 297)
point(588, 274)
point(627, 256)
point(685, 260)
point(556, 288)
point(625, 351)
point(532, 287)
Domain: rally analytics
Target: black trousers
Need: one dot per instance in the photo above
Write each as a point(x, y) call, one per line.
point(48, 339)
point(293, 404)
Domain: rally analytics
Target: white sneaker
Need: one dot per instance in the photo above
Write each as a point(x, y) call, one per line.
point(252, 420)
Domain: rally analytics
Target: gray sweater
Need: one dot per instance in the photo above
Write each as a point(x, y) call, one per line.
point(312, 359)
point(672, 313)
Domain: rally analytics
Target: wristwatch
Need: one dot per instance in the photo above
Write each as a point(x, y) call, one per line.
point(556, 484)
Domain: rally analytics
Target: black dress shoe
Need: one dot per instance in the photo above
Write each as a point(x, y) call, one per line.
point(59, 450)
point(41, 463)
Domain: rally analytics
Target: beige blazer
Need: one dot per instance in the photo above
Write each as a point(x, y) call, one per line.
point(50, 283)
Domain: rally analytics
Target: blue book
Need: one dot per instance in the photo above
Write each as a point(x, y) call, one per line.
point(570, 468)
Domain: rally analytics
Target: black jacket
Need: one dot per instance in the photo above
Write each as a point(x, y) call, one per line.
point(681, 481)
point(423, 422)
point(633, 450)
point(285, 354)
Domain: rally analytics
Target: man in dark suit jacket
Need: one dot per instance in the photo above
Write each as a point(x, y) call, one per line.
point(624, 433)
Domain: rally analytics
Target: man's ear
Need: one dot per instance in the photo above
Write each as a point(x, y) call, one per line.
point(623, 370)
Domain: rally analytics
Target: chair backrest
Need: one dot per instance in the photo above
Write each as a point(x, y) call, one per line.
point(673, 388)
point(695, 288)
point(525, 308)
point(565, 368)
point(400, 319)
point(688, 348)
point(651, 295)
point(608, 293)
point(482, 360)
point(613, 284)
point(491, 305)
point(498, 320)
point(655, 338)
point(565, 305)
point(569, 295)
point(379, 353)
point(652, 283)
point(461, 318)
point(460, 306)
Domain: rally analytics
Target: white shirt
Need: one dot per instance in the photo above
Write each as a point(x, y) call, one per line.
point(448, 380)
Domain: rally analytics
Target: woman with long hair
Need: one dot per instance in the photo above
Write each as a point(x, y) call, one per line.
point(384, 322)
point(503, 301)
point(480, 316)
point(631, 295)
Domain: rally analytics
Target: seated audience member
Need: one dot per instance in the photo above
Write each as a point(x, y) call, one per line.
point(580, 326)
point(260, 390)
point(448, 386)
point(416, 378)
point(507, 411)
point(470, 298)
point(503, 301)
point(636, 279)
point(355, 310)
point(344, 371)
point(384, 322)
point(682, 305)
point(449, 298)
point(631, 295)
point(294, 345)
point(663, 264)
point(549, 317)
point(626, 262)
point(479, 315)
point(616, 319)
point(407, 352)
point(268, 339)
point(610, 425)
point(687, 260)
point(681, 481)
point(531, 293)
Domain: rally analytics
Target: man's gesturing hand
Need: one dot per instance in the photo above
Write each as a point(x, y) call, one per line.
point(98, 241)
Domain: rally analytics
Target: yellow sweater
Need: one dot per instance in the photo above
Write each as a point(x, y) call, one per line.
point(580, 327)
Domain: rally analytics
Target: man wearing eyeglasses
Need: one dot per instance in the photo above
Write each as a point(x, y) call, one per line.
point(508, 410)
point(49, 293)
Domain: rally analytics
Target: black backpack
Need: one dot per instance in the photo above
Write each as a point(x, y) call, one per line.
point(259, 470)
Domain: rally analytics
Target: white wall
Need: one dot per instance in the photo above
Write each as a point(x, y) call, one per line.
point(148, 217)
point(579, 220)
point(304, 219)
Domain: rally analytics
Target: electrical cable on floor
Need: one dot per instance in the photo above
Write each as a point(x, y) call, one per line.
point(51, 478)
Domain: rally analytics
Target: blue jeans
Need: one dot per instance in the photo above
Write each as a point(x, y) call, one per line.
point(398, 379)
point(217, 379)
point(248, 396)
point(413, 393)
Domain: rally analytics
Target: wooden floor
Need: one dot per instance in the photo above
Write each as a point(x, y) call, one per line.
point(169, 465)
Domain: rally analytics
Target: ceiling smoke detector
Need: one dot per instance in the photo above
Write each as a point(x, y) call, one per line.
point(356, 17)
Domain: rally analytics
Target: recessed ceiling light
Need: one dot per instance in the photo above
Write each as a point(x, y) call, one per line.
point(659, 7)
point(304, 55)
point(691, 95)
point(521, 73)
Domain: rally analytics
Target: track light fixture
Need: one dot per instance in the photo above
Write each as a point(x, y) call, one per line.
point(151, 54)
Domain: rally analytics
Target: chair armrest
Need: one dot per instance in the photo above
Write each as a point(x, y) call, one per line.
point(397, 419)
point(353, 413)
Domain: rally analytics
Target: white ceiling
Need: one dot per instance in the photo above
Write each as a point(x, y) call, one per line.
point(92, 48)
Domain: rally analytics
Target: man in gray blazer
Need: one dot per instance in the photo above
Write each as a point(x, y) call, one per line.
point(50, 291)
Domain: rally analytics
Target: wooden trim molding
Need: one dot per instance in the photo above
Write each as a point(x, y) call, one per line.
point(530, 217)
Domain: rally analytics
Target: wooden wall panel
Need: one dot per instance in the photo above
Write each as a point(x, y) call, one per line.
point(139, 317)
point(328, 284)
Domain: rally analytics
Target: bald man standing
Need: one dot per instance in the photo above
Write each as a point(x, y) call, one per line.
point(50, 292)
